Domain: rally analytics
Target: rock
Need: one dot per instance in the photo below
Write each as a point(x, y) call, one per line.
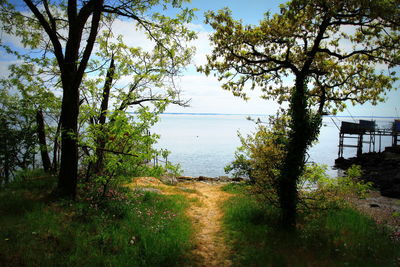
point(391, 191)
point(186, 178)
point(237, 179)
point(205, 178)
point(148, 189)
point(169, 180)
point(382, 169)
point(223, 179)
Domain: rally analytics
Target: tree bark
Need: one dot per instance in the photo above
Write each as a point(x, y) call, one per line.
point(299, 138)
point(41, 132)
point(68, 176)
point(71, 76)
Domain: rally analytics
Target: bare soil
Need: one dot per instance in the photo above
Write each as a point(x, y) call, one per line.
point(210, 247)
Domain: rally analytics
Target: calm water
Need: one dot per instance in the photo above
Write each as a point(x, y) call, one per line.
point(204, 144)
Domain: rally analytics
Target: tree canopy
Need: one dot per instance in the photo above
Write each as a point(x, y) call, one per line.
point(346, 49)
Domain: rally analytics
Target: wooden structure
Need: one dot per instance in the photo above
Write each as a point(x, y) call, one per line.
point(366, 132)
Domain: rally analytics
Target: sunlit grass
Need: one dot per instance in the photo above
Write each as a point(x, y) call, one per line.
point(141, 229)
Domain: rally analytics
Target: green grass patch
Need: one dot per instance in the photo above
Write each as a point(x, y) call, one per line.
point(138, 229)
point(341, 237)
point(236, 188)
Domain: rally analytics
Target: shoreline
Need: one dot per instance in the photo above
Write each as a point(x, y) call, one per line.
point(380, 168)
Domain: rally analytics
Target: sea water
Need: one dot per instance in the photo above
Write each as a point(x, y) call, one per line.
point(203, 144)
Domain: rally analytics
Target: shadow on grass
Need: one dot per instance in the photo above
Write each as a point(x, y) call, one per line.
point(341, 237)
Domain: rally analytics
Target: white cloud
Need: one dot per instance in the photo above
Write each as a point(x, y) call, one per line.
point(207, 96)
point(202, 44)
point(131, 34)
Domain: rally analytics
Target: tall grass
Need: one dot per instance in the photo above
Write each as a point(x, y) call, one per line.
point(140, 229)
point(341, 237)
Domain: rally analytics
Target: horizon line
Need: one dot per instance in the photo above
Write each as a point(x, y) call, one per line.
point(255, 114)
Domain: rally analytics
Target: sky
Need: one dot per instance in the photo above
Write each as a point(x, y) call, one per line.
point(205, 91)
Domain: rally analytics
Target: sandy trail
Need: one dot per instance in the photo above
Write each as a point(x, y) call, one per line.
point(210, 247)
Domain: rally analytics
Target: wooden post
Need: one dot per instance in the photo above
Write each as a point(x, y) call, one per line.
point(340, 152)
point(360, 145)
point(380, 142)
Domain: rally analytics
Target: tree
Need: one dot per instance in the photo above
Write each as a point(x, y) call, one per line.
point(106, 101)
point(151, 73)
point(29, 107)
point(71, 29)
point(334, 47)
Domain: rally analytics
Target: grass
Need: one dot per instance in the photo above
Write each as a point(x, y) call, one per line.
point(140, 229)
point(236, 188)
point(188, 190)
point(340, 237)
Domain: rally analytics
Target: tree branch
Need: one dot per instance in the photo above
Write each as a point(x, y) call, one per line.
point(58, 51)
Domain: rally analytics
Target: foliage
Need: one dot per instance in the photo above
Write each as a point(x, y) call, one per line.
point(261, 155)
point(309, 37)
point(17, 135)
point(323, 192)
point(324, 237)
point(132, 229)
point(23, 93)
point(128, 149)
point(240, 167)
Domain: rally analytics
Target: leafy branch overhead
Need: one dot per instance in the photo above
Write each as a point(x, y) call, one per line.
point(347, 50)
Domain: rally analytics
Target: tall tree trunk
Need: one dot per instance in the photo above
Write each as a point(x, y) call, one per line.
point(68, 176)
point(41, 132)
point(299, 138)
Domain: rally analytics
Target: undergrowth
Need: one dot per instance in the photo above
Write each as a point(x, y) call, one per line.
point(134, 229)
point(336, 237)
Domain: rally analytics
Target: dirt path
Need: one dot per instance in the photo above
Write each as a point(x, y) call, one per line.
point(210, 247)
point(206, 214)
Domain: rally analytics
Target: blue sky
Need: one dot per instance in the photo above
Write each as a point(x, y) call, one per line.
point(205, 92)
